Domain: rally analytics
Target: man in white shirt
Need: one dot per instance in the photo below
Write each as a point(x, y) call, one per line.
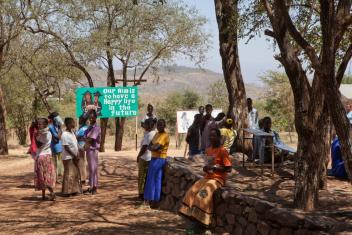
point(252, 115)
point(71, 182)
point(144, 155)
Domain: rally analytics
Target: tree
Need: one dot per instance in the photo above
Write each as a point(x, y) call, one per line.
point(63, 30)
point(152, 35)
point(296, 26)
point(279, 100)
point(175, 102)
point(136, 35)
point(216, 95)
point(13, 16)
point(227, 15)
point(21, 103)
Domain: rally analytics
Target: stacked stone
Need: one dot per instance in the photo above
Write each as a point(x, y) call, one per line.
point(237, 213)
point(178, 178)
point(240, 214)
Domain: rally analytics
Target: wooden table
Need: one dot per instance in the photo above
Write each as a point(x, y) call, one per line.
point(262, 134)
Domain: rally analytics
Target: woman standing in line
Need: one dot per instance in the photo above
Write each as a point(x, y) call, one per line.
point(71, 179)
point(82, 164)
point(45, 175)
point(158, 147)
point(93, 135)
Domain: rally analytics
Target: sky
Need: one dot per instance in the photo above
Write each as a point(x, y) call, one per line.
point(256, 57)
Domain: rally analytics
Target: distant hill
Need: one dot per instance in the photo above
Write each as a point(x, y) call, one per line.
point(172, 79)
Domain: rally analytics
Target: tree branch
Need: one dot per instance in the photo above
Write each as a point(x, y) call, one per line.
point(309, 50)
point(343, 65)
point(67, 49)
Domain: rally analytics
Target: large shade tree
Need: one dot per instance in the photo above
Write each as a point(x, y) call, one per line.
point(315, 37)
point(138, 36)
point(227, 15)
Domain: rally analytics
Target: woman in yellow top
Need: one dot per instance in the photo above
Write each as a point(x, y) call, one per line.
point(228, 134)
point(158, 147)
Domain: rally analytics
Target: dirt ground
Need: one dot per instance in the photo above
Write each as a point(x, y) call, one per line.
point(114, 210)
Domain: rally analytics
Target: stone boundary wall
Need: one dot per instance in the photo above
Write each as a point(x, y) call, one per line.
point(236, 213)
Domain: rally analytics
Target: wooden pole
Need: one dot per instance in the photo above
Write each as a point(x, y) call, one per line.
point(136, 133)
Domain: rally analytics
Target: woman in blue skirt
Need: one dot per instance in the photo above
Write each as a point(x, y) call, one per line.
point(158, 147)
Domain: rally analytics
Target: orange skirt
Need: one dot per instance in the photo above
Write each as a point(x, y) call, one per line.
point(198, 201)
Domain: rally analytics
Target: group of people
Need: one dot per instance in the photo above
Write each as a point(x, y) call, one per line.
point(61, 153)
point(198, 135)
point(211, 136)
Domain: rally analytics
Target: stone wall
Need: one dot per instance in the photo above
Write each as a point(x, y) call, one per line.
point(236, 213)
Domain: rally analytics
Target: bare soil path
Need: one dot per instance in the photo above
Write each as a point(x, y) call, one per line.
point(114, 210)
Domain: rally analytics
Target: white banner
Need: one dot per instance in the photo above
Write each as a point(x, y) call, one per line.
point(185, 119)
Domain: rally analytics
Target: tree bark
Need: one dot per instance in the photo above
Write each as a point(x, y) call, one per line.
point(4, 150)
point(120, 121)
point(227, 18)
point(311, 113)
point(110, 82)
point(119, 125)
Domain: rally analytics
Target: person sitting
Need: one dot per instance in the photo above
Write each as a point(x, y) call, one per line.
point(228, 134)
point(198, 201)
point(337, 164)
point(193, 137)
point(265, 151)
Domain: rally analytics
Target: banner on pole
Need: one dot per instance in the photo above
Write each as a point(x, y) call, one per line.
point(107, 101)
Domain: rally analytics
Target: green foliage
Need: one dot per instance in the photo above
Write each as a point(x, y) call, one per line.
point(217, 95)
point(279, 103)
point(21, 104)
point(347, 79)
point(174, 102)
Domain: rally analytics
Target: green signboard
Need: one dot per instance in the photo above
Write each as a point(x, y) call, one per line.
point(107, 101)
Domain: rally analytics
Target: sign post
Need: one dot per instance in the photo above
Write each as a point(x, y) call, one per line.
point(107, 101)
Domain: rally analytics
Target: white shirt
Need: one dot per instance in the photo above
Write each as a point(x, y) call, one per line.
point(44, 137)
point(69, 139)
point(349, 116)
point(253, 119)
point(148, 137)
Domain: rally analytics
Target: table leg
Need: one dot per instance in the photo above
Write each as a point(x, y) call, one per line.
point(272, 158)
point(243, 149)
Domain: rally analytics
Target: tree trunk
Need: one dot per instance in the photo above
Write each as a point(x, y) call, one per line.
point(120, 122)
point(110, 82)
point(313, 150)
point(103, 127)
point(119, 125)
point(227, 18)
point(3, 132)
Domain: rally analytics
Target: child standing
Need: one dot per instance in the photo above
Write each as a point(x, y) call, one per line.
point(144, 155)
point(80, 134)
